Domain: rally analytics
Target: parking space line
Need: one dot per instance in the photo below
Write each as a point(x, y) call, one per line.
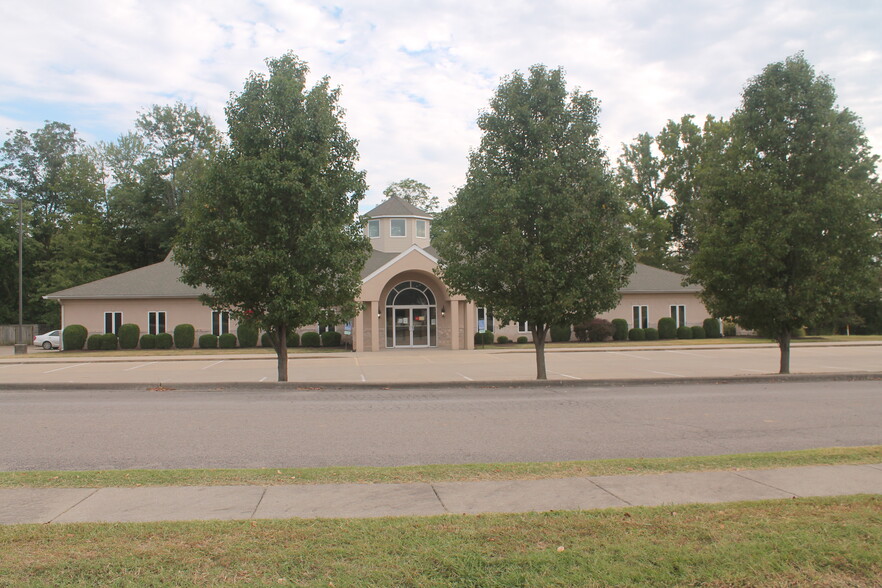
point(213, 364)
point(750, 370)
point(67, 367)
point(139, 366)
point(628, 354)
point(685, 353)
point(664, 373)
point(466, 377)
point(566, 376)
point(263, 379)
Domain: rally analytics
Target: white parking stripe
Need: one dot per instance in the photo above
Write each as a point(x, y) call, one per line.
point(466, 377)
point(664, 373)
point(212, 364)
point(566, 376)
point(67, 367)
point(139, 366)
point(628, 354)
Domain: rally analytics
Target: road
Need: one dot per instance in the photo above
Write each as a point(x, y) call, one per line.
point(121, 429)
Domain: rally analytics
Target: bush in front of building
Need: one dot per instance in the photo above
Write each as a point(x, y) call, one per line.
point(310, 339)
point(712, 328)
point(185, 336)
point(667, 328)
point(331, 339)
point(560, 333)
point(109, 342)
point(637, 334)
point(698, 332)
point(129, 334)
point(651, 334)
point(247, 335)
point(620, 329)
point(93, 343)
point(265, 340)
point(600, 330)
point(208, 341)
point(729, 329)
point(226, 341)
point(523, 339)
point(291, 340)
point(502, 339)
point(148, 341)
point(684, 332)
point(74, 337)
point(164, 341)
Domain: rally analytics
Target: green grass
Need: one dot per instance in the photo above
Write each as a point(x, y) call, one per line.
point(437, 473)
point(797, 542)
point(676, 342)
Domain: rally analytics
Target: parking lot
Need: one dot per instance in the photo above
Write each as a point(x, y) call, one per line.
point(435, 365)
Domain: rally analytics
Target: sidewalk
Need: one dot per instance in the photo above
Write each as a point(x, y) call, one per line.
point(146, 504)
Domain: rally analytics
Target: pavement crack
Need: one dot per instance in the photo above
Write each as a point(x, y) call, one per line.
point(610, 493)
point(438, 496)
point(73, 506)
point(784, 490)
point(256, 506)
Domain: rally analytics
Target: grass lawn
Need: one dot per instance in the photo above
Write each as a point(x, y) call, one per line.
point(438, 473)
point(796, 542)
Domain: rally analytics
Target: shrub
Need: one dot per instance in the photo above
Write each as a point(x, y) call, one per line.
point(226, 341)
point(292, 340)
point(667, 328)
point(798, 333)
point(651, 334)
point(331, 339)
point(93, 343)
point(128, 336)
point(265, 340)
point(729, 329)
point(637, 335)
point(74, 337)
point(712, 328)
point(600, 330)
point(560, 333)
point(502, 339)
point(185, 336)
point(620, 329)
point(164, 341)
point(208, 341)
point(698, 332)
point(479, 338)
point(488, 338)
point(684, 332)
point(310, 339)
point(109, 342)
point(581, 332)
point(247, 335)
point(523, 339)
point(148, 341)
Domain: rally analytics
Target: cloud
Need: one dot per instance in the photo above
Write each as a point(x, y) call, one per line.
point(414, 76)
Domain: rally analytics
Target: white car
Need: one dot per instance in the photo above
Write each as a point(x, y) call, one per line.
point(50, 340)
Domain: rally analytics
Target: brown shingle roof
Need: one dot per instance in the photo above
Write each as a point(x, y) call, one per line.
point(651, 279)
point(395, 206)
point(160, 280)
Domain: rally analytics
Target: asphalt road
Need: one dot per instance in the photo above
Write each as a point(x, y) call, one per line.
point(121, 429)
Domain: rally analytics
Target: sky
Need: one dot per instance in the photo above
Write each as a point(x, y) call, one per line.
point(415, 75)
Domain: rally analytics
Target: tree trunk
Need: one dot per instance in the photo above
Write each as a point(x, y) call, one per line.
point(784, 346)
point(539, 332)
point(282, 353)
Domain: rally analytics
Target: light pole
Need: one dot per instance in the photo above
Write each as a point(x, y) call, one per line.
point(20, 346)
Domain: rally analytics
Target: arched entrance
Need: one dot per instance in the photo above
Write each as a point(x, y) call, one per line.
point(411, 316)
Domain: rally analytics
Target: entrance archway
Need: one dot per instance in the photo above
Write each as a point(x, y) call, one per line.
point(411, 316)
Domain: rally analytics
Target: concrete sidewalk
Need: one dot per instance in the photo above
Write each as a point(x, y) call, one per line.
point(145, 504)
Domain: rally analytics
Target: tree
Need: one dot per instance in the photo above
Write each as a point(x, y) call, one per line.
point(417, 193)
point(789, 217)
point(271, 227)
point(537, 232)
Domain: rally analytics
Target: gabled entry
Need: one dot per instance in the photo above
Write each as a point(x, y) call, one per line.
point(411, 316)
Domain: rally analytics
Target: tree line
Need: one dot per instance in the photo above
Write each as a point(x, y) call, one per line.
point(775, 211)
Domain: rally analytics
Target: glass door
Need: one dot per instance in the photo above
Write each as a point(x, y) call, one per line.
point(402, 327)
point(419, 327)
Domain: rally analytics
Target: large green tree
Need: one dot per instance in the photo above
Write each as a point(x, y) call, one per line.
point(537, 232)
point(272, 226)
point(788, 225)
point(415, 192)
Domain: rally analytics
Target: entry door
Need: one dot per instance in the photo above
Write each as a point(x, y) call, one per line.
point(411, 327)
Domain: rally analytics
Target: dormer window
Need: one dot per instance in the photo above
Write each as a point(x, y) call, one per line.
point(421, 229)
point(373, 229)
point(398, 228)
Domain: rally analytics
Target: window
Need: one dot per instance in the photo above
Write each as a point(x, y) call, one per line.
point(398, 228)
point(523, 327)
point(373, 229)
point(220, 322)
point(112, 322)
point(641, 317)
point(485, 319)
point(326, 328)
point(421, 229)
point(678, 313)
point(156, 322)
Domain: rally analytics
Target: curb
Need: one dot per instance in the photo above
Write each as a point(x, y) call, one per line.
point(316, 386)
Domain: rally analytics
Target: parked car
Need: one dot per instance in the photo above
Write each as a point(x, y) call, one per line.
point(50, 340)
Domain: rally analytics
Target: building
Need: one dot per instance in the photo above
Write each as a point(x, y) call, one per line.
point(405, 305)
